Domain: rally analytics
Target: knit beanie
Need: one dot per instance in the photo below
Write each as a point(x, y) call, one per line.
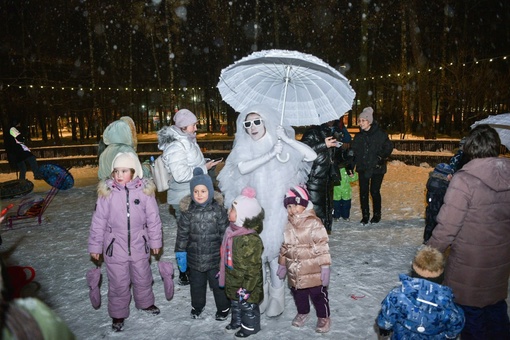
point(297, 195)
point(368, 114)
point(443, 169)
point(428, 262)
point(128, 160)
point(246, 205)
point(199, 178)
point(184, 117)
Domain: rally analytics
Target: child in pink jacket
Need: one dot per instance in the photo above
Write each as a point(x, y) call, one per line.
point(125, 227)
point(304, 255)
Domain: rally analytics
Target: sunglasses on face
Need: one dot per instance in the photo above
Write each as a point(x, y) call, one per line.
point(249, 123)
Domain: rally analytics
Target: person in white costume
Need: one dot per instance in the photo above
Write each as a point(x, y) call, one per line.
point(257, 159)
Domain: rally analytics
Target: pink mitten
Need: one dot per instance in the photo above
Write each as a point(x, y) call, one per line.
point(325, 273)
point(281, 272)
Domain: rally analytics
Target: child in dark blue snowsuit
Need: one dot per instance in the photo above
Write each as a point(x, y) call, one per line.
point(436, 189)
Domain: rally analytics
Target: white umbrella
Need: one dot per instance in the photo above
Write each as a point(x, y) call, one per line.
point(501, 123)
point(304, 89)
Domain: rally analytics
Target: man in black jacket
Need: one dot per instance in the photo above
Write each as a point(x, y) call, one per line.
point(325, 173)
point(371, 147)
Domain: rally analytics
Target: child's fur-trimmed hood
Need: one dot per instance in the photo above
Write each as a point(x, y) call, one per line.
point(256, 222)
point(105, 187)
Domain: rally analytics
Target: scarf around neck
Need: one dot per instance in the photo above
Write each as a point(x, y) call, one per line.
point(226, 248)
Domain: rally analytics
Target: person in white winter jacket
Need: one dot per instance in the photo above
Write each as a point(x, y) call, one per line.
point(181, 154)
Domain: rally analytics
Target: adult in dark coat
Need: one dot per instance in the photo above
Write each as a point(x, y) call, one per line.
point(371, 147)
point(474, 223)
point(325, 173)
point(18, 153)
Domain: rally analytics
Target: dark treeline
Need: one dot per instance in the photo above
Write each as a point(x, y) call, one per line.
point(427, 67)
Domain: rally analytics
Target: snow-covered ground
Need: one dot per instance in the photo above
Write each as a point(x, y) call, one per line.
point(366, 264)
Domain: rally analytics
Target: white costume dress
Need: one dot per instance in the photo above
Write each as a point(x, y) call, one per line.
point(271, 179)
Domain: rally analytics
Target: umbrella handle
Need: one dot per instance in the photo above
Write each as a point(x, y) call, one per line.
point(281, 159)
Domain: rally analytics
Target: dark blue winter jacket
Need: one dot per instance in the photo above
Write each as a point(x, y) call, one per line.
point(420, 309)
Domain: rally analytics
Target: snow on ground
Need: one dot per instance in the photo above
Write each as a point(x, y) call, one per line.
point(366, 264)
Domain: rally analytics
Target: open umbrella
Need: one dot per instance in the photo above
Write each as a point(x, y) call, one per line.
point(166, 270)
point(501, 123)
point(305, 89)
point(94, 282)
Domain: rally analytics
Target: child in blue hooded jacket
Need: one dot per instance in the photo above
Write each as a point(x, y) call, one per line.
point(421, 308)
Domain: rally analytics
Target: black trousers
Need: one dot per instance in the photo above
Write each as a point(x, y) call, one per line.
point(23, 167)
point(198, 288)
point(370, 185)
point(490, 322)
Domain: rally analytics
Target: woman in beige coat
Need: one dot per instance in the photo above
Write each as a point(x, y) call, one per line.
point(474, 222)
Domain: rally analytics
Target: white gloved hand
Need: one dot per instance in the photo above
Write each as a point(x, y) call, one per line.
point(282, 134)
point(278, 148)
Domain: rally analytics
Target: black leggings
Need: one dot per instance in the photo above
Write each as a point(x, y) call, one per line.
point(371, 184)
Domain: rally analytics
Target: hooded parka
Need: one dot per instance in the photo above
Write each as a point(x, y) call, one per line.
point(247, 262)
point(119, 136)
point(421, 309)
point(475, 221)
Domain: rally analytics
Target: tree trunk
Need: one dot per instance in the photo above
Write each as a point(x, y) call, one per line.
point(90, 30)
point(171, 57)
point(406, 126)
point(362, 93)
point(420, 60)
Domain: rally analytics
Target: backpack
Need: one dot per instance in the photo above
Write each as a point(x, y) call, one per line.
point(160, 175)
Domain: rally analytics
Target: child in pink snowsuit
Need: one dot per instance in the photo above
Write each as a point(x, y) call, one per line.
point(125, 227)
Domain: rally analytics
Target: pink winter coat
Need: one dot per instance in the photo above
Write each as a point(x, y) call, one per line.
point(126, 223)
point(475, 221)
point(305, 250)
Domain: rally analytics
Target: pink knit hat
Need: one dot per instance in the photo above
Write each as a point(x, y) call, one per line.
point(297, 195)
point(184, 117)
point(246, 205)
